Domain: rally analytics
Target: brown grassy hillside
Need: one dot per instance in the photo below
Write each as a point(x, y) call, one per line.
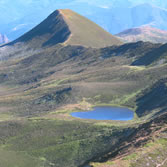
point(67, 27)
point(85, 32)
point(144, 33)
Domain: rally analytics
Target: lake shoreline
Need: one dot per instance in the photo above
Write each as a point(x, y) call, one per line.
point(106, 113)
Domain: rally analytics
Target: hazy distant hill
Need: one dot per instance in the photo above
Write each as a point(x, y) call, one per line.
point(144, 33)
point(3, 39)
point(116, 20)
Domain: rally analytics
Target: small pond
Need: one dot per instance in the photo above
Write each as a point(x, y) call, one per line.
point(106, 113)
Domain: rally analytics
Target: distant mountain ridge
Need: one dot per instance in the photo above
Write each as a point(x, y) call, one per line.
point(68, 28)
point(118, 19)
point(144, 33)
point(113, 15)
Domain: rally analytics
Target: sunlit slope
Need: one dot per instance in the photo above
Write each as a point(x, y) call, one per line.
point(85, 32)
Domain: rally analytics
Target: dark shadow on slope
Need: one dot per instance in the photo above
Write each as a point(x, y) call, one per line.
point(137, 49)
point(154, 97)
point(164, 110)
point(151, 56)
point(51, 31)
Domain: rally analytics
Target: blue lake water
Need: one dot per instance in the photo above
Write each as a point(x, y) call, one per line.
point(106, 113)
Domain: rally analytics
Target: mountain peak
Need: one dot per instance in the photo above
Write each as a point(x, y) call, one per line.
point(69, 28)
point(66, 12)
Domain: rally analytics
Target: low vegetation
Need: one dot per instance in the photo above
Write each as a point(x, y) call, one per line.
point(39, 88)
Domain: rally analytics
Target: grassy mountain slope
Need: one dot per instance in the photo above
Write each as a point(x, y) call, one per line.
point(146, 146)
point(85, 32)
point(38, 92)
point(41, 86)
point(67, 27)
point(156, 56)
point(147, 100)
